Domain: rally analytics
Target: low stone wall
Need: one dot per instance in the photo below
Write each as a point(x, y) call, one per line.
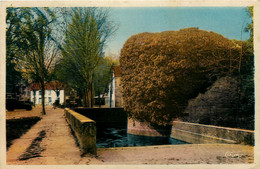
point(84, 129)
point(144, 129)
point(199, 133)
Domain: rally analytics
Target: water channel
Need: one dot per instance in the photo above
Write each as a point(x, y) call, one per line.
point(111, 126)
point(118, 137)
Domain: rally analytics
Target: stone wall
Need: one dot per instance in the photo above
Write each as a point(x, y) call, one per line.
point(144, 129)
point(84, 129)
point(198, 133)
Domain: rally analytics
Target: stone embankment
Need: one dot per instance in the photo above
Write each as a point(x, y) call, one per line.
point(84, 129)
point(198, 133)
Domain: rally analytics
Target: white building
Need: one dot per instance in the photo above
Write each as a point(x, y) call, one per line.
point(115, 98)
point(51, 91)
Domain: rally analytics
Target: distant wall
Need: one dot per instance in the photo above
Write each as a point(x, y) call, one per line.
point(198, 133)
point(105, 116)
point(85, 130)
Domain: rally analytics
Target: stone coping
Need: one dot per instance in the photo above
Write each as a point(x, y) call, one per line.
point(136, 127)
point(200, 133)
point(212, 126)
point(81, 118)
point(84, 129)
point(196, 138)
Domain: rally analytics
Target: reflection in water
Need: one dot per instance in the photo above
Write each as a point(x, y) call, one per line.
point(118, 137)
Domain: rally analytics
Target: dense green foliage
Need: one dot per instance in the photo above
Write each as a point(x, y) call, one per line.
point(162, 71)
point(103, 76)
point(60, 44)
point(13, 77)
point(221, 105)
point(247, 87)
point(30, 43)
point(83, 67)
point(81, 54)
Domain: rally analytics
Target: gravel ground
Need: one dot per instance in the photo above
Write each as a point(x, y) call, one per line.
point(179, 154)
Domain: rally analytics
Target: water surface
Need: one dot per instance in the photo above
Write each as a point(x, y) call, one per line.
point(118, 137)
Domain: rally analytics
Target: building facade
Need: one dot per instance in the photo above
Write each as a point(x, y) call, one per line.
point(50, 97)
point(52, 93)
point(115, 97)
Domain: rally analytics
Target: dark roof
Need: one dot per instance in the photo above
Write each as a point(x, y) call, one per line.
point(35, 86)
point(48, 86)
point(117, 71)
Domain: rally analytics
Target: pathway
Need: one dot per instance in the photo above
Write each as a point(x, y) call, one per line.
point(58, 145)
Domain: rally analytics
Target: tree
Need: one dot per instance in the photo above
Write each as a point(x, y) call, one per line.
point(247, 90)
point(82, 53)
point(13, 77)
point(87, 31)
point(162, 71)
point(104, 75)
point(35, 47)
point(250, 27)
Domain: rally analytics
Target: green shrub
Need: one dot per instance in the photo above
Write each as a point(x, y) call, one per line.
point(162, 71)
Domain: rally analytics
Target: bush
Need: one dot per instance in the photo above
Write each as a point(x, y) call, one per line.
point(162, 71)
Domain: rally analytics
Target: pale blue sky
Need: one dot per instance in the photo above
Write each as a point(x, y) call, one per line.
point(228, 21)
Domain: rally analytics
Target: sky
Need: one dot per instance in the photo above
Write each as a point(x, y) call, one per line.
point(228, 21)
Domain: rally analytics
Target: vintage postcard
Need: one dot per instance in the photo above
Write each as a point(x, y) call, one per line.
point(120, 83)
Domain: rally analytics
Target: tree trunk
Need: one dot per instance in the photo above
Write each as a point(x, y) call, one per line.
point(86, 101)
point(43, 99)
point(34, 97)
point(89, 97)
point(91, 94)
point(42, 68)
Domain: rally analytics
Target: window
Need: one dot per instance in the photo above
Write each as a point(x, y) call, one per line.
point(40, 92)
point(49, 92)
point(40, 100)
point(50, 100)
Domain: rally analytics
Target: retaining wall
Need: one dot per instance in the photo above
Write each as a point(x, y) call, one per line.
point(144, 129)
point(105, 116)
point(84, 129)
point(199, 133)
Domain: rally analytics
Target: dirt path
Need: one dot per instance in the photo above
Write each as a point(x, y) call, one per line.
point(58, 145)
point(54, 144)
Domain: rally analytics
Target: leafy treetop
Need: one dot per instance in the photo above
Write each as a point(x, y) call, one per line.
point(162, 71)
